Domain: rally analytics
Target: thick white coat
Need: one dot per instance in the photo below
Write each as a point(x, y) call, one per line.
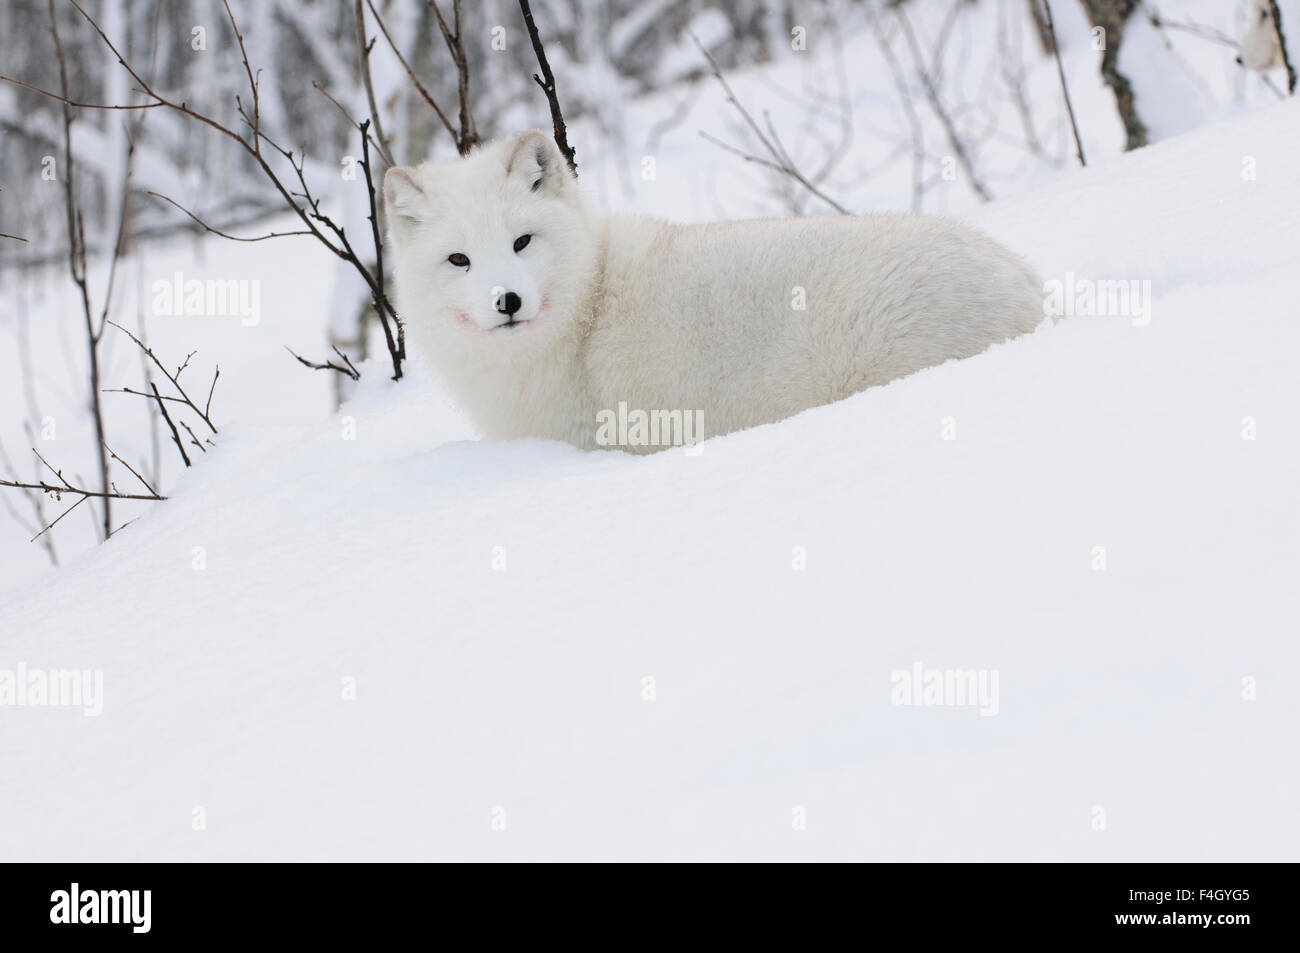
point(747, 322)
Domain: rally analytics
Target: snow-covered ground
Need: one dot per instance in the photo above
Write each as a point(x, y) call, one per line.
point(401, 645)
point(369, 635)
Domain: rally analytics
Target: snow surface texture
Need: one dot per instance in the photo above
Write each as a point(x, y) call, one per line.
point(501, 606)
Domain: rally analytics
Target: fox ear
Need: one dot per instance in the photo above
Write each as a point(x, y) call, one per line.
point(536, 161)
point(402, 197)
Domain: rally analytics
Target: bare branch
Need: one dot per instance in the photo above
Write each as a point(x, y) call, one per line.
point(77, 266)
point(936, 104)
point(133, 470)
point(204, 414)
point(57, 473)
point(467, 137)
point(83, 494)
point(387, 157)
point(216, 231)
point(382, 307)
point(917, 131)
point(348, 371)
point(1065, 90)
point(207, 406)
point(36, 501)
point(252, 80)
point(162, 407)
point(76, 104)
point(779, 161)
point(428, 97)
point(547, 82)
point(193, 439)
point(364, 48)
point(58, 518)
point(57, 491)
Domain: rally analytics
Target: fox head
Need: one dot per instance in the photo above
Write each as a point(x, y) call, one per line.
point(492, 253)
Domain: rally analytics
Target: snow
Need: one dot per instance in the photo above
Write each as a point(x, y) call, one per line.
point(501, 606)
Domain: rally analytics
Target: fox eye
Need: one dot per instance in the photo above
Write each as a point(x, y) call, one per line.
point(459, 260)
point(522, 242)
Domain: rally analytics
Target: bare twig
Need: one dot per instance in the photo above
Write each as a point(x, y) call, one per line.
point(936, 105)
point(1013, 74)
point(207, 406)
point(916, 130)
point(387, 157)
point(205, 413)
point(77, 268)
point(467, 136)
point(252, 80)
point(63, 486)
point(380, 299)
point(1210, 33)
point(547, 82)
point(57, 519)
point(193, 439)
point(216, 231)
point(779, 161)
point(364, 48)
point(1065, 90)
point(57, 491)
point(162, 407)
point(420, 87)
point(119, 243)
point(46, 464)
point(133, 470)
point(348, 371)
point(36, 501)
point(77, 104)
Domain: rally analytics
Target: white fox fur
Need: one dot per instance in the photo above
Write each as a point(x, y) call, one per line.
point(625, 310)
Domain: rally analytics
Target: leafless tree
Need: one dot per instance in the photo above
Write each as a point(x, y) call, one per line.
point(1112, 16)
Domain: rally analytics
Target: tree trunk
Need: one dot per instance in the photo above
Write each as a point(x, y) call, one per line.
point(1111, 16)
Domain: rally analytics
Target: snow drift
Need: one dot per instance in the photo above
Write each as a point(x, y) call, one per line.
point(414, 645)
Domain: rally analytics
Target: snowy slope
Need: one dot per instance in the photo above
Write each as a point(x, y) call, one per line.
point(500, 606)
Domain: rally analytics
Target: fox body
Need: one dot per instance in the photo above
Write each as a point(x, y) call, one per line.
point(545, 316)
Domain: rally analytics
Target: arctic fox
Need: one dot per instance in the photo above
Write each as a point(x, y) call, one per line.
point(547, 318)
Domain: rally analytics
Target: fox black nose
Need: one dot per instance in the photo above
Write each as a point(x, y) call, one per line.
point(509, 303)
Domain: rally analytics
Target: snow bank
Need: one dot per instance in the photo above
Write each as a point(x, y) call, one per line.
point(415, 645)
